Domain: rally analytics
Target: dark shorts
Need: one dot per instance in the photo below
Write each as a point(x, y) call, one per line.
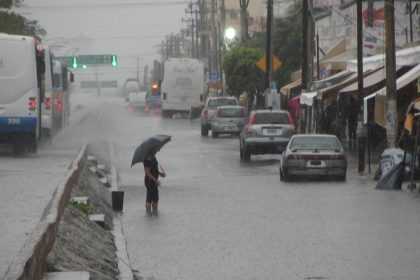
point(152, 194)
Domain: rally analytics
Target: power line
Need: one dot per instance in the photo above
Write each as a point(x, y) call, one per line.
point(101, 6)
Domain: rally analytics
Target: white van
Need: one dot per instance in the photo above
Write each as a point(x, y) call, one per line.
point(137, 101)
point(21, 68)
point(182, 85)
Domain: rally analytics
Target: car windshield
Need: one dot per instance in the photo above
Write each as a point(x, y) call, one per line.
point(315, 143)
point(271, 118)
point(231, 113)
point(221, 102)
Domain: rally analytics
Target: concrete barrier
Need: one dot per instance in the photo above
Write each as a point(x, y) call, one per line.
point(31, 261)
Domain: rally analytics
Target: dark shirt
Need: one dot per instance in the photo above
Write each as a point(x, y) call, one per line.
point(152, 163)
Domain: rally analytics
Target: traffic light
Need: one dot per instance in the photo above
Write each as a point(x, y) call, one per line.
point(75, 62)
point(114, 61)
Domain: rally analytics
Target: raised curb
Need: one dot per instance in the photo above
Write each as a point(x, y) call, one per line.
point(31, 261)
point(124, 265)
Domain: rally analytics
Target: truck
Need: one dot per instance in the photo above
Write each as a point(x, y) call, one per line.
point(182, 86)
point(22, 67)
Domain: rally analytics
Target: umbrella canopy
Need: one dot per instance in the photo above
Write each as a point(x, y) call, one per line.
point(141, 152)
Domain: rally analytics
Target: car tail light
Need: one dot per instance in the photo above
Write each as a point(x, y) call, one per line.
point(339, 157)
point(294, 157)
point(32, 103)
point(47, 102)
point(249, 128)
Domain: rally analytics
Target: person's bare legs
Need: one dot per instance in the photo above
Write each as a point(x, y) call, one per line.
point(148, 208)
point(155, 207)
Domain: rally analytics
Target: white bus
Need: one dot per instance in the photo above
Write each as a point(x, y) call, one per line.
point(47, 109)
point(182, 85)
point(21, 70)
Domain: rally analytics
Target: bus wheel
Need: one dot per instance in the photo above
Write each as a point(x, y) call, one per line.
point(18, 148)
point(32, 145)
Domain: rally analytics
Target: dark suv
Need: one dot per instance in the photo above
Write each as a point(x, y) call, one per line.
point(266, 132)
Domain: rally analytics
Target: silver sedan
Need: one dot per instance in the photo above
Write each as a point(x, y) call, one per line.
point(314, 154)
point(228, 120)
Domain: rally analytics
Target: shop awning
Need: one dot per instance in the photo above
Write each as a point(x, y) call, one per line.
point(380, 95)
point(286, 89)
point(340, 61)
point(307, 98)
point(324, 93)
point(409, 56)
point(330, 81)
point(375, 78)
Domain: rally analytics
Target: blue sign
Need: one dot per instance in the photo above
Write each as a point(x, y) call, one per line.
point(214, 75)
point(273, 85)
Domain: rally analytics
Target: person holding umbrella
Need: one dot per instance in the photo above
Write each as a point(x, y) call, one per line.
point(151, 180)
point(146, 153)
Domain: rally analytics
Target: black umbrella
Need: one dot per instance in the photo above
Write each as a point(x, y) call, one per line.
point(393, 179)
point(157, 141)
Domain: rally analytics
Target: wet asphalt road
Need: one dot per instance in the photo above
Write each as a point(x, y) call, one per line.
point(223, 219)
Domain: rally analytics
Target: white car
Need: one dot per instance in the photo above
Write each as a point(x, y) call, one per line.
point(210, 108)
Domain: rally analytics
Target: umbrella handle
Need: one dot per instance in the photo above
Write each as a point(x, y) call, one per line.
point(161, 169)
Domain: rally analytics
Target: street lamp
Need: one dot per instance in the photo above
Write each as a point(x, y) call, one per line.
point(230, 33)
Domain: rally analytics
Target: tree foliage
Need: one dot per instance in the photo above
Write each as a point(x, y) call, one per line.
point(12, 23)
point(242, 73)
point(287, 42)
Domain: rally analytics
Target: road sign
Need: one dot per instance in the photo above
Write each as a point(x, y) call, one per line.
point(95, 59)
point(262, 63)
point(214, 75)
point(80, 60)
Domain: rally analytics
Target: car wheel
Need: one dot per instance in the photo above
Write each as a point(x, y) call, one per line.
point(247, 156)
point(286, 176)
point(343, 177)
point(204, 131)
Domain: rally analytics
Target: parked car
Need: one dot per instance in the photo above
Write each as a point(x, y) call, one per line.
point(266, 132)
point(228, 120)
point(209, 109)
point(313, 154)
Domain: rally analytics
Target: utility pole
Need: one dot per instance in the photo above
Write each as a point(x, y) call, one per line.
point(308, 44)
point(268, 47)
point(214, 36)
point(243, 4)
point(391, 84)
point(410, 13)
point(361, 138)
point(308, 26)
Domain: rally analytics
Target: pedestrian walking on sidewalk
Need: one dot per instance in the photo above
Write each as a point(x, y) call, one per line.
point(151, 181)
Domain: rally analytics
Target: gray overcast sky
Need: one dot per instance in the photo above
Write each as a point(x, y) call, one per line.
point(127, 28)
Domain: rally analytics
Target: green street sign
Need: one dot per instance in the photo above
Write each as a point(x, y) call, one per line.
point(84, 60)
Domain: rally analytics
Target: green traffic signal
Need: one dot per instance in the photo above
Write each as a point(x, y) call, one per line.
point(74, 62)
point(114, 61)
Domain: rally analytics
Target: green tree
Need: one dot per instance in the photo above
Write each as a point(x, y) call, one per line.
point(287, 42)
point(240, 68)
point(12, 23)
